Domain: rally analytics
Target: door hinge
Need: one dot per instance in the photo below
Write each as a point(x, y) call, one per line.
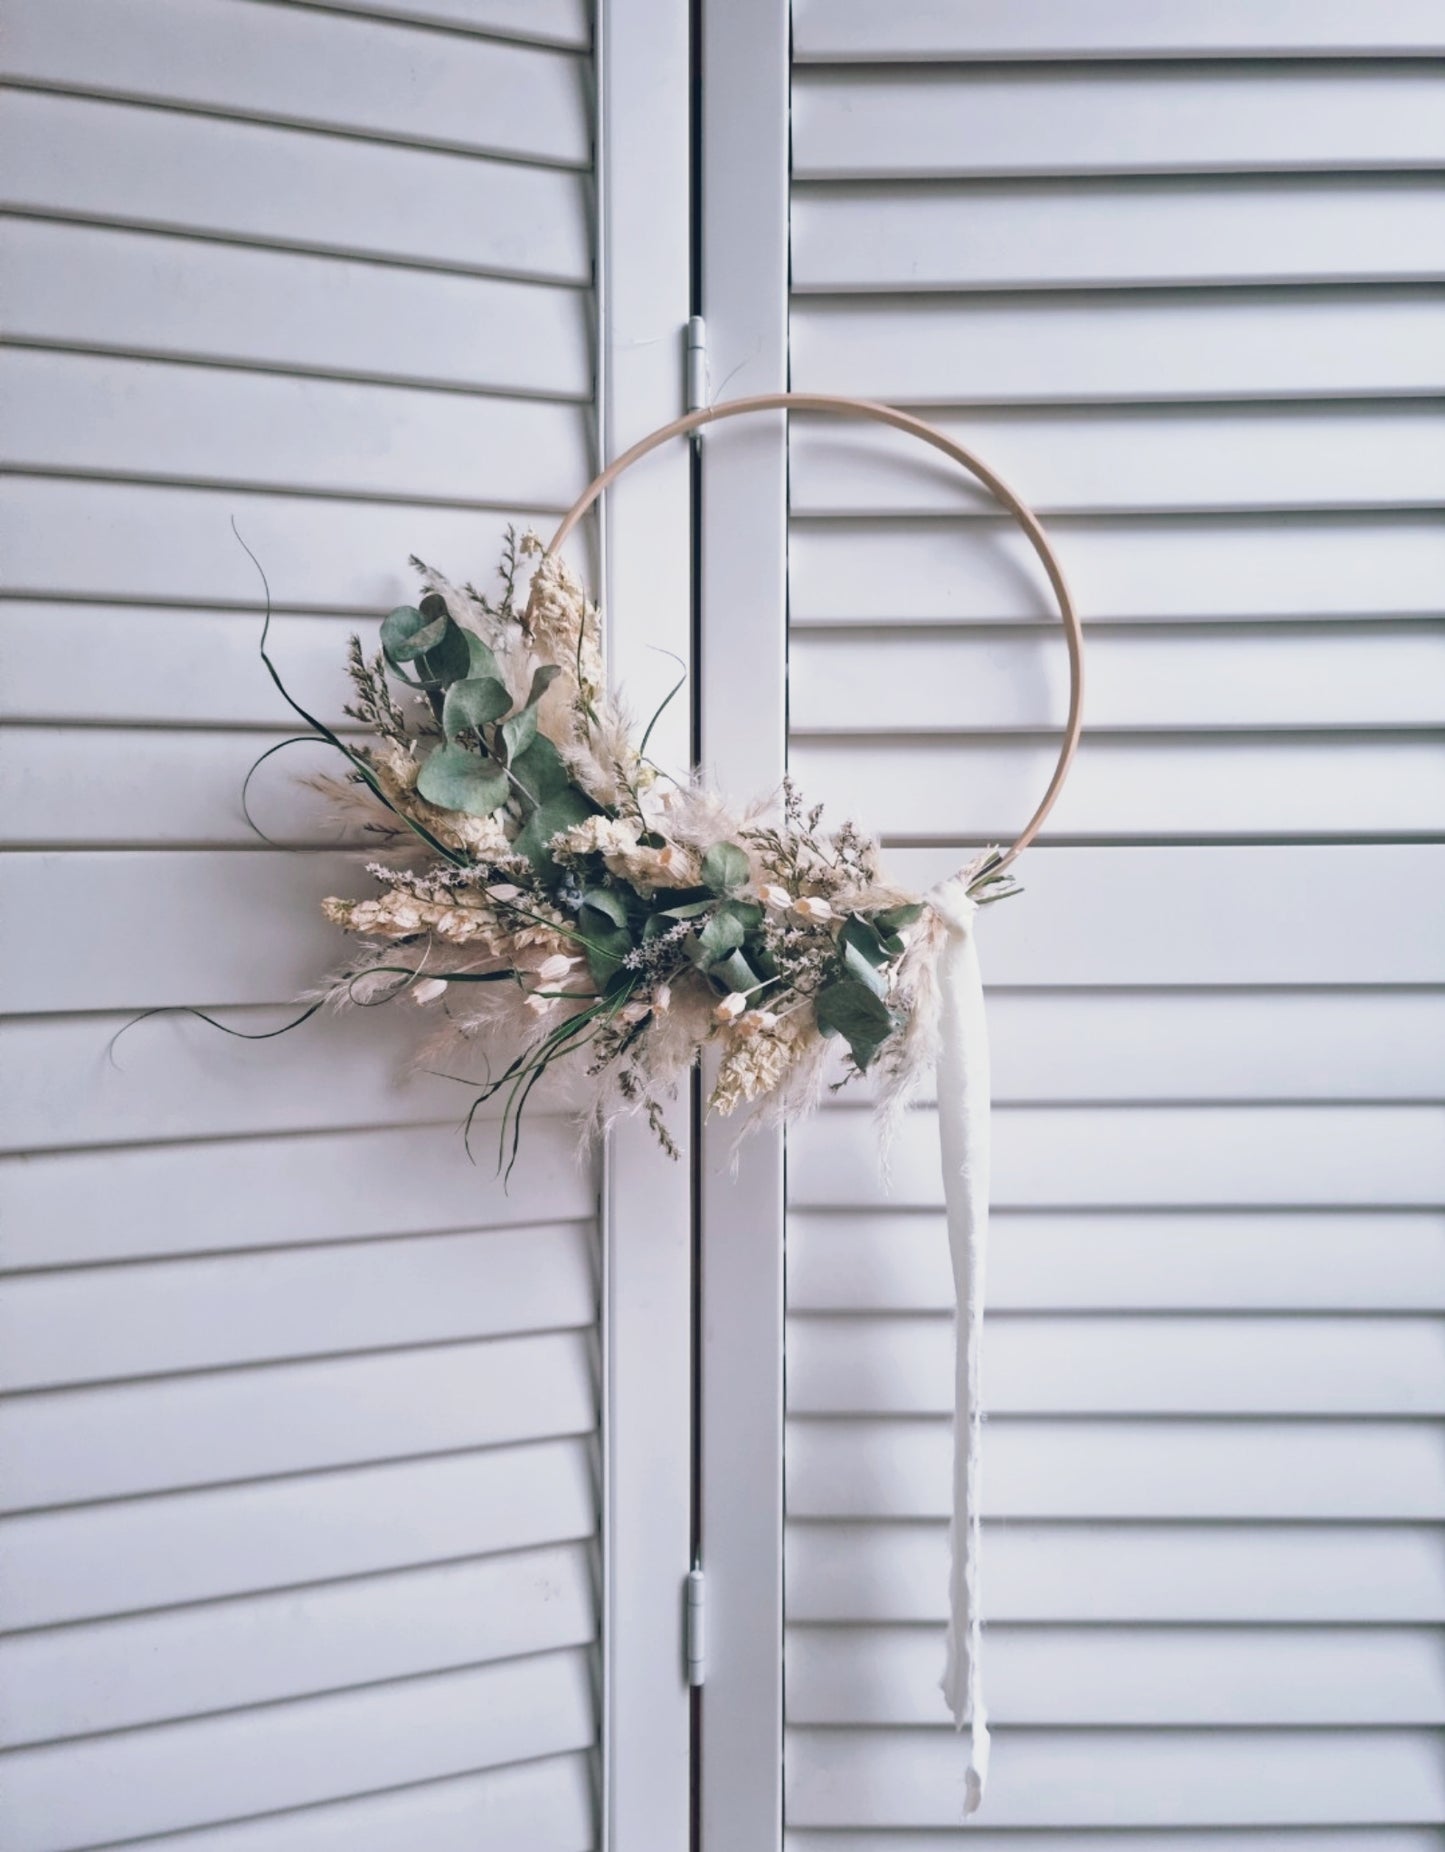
point(694, 1630)
point(696, 351)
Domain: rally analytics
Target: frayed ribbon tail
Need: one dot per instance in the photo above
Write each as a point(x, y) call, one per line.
point(963, 1136)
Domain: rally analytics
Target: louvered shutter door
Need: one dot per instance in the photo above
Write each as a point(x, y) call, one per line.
point(297, 1449)
point(1169, 269)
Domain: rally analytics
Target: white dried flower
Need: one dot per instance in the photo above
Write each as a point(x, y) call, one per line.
point(759, 1064)
point(428, 990)
point(731, 1007)
point(538, 1003)
point(656, 803)
point(778, 898)
point(552, 970)
point(662, 999)
point(811, 907)
point(652, 868)
point(633, 1012)
point(601, 835)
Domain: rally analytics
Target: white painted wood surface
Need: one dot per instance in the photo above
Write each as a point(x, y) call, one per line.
point(966, 30)
point(299, 1434)
point(742, 623)
point(1169, 269)
point(644, 135)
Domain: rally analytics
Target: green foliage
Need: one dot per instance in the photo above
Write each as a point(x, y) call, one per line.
point(722, 934)
point(862, 937)
point(891, 920)
point(455, 779)
point(540, 774)
point(520, 731)
point(852, 1008)
point(603, 920)
point(734, 973)
point(481, 661)
point(473, 704)
point(428, 640)
point(724, 868)
point(549, 819)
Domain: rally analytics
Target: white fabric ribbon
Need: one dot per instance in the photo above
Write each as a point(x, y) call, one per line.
point(963, 1136)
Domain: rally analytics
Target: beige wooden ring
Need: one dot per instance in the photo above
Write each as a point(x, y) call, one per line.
point(930, 434)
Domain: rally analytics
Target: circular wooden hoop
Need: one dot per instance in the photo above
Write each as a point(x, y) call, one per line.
point(930, 434)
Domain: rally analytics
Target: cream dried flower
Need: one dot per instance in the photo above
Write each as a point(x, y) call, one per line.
point(397, 770)
point(811, 907)
point(776, 898)
point(731, 1007)
point(399, 915)
point(428, 990)
point(561, 625)
point(606, 836)
point(758, 1064)
point(653, 868)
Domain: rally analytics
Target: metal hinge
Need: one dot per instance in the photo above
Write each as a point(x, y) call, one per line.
point(694, 1630)
point(696, 351)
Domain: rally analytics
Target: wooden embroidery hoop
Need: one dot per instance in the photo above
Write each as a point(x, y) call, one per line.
point(879, 413)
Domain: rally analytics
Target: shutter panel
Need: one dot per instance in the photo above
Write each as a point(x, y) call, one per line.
point(298, 1433)
point(1165, 268)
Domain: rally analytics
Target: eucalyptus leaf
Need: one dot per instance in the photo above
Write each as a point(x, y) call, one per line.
point(849, 1008)
point(734, 973)
point(607, 942)
point(455, 779)
point(406, 634)
point(893, 919)
point(722, 934)
point(519, 732)
point(747, 913)
point(763, 961)
point(541, 776)
point(473, 704)
point(724, 867)
point(428, 639)
point(481, 661)
point(864, 939)
point(542, 680)
point(863, 971)
point(549, 819)
point(607, 901)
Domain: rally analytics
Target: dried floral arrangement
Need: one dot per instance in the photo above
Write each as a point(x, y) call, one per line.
point(543, 887)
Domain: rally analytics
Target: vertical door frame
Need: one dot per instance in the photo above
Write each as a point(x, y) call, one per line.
point(642, 148)
point(743, 228)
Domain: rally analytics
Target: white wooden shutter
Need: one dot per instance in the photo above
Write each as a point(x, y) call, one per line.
point(1167, 268)
point(297, 1447)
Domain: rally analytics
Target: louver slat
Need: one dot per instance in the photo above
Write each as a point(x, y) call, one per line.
point(1174, 272)
point(299, 1425)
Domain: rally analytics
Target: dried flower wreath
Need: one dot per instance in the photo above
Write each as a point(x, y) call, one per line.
point(544, 887)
